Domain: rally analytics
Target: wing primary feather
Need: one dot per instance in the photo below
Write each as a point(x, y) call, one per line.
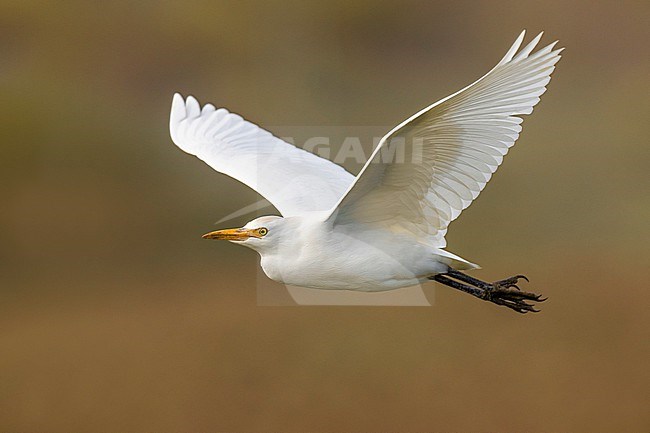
point(514, 48)
point(528, 48)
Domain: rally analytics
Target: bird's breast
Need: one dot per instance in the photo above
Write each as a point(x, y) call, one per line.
point(350, 263)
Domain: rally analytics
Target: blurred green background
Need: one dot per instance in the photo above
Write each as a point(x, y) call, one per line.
point(116, 316)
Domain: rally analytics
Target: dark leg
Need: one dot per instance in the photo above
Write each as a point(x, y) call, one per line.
point(503, 292)
point(508, 282)
point(459, 286)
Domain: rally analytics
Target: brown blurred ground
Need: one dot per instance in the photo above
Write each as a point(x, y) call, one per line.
point(115, 316)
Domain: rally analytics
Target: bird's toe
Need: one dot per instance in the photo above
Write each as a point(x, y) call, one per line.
point(513, 297)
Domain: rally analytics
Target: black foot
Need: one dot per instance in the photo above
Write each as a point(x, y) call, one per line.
point(503, 292)
point(507, 293)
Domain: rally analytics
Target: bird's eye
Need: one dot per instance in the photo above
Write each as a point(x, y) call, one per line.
point(263, 231)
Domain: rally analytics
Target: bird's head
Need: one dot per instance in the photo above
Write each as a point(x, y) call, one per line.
point(258, 234)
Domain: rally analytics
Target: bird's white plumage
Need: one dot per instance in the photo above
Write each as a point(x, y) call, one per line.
point(452, 148)
point(293, 180)
point(386, 228)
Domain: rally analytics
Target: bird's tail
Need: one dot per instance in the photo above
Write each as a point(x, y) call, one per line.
point(454, 261)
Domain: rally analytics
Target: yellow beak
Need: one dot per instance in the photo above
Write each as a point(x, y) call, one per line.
point(230, 234)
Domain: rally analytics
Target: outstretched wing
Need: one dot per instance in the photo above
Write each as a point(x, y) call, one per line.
point(430, 167)
point(293, 180)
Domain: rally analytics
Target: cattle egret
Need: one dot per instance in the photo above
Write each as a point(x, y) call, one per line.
point(385, 228)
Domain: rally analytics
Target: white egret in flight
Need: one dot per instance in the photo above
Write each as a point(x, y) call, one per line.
point(384, 228)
